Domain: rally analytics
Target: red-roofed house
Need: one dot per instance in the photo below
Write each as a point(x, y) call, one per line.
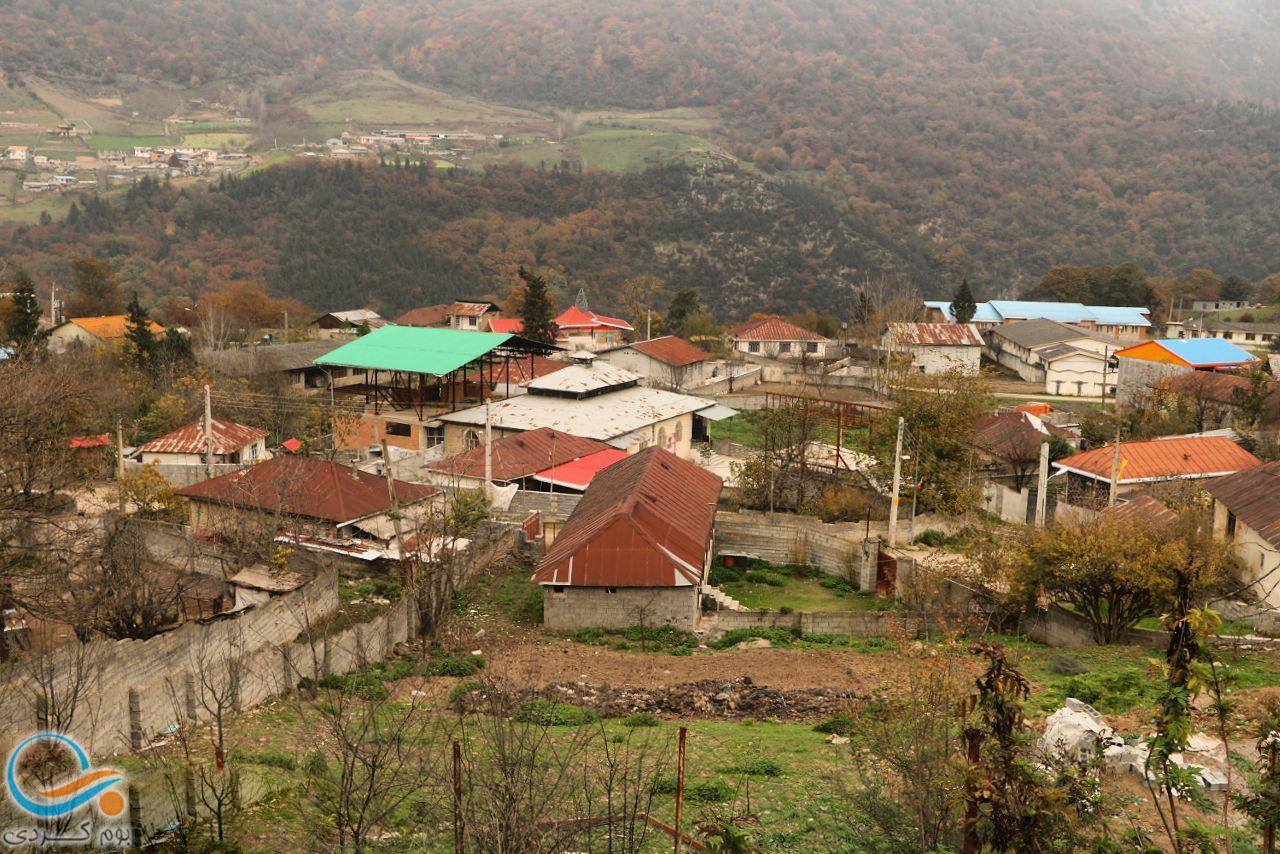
point(232, 444)
point(586, 330)
point(635, 550)
point(935, 348)
point(428, 316)
point(666, 362)
point(506, 325)
point(472, 315)
point(516, 458)
point(1156, 461)
point(777, 338)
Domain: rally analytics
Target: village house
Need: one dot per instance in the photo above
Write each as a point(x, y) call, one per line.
point(1010, 442)
point(636, 549)
point(1066, 359)
point(543, 460)
point(596, 401)
point(1220, 304)
point(346, 323)
point(779, 339)
point(1246, 513)
point(427, 316)
point(1218, 400)
point(1145, 365)
point(92, 332)
point(580, 329)
point(290, 493)
point(233, 444)
point(935, 348)
point(1246, 334)
point(472, 315)
point(1117, 321)
point(19, 153)
point(666, 362)
point(1140, 464)
point(293, 362)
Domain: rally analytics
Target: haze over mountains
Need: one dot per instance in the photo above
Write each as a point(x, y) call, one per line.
point(945, 138)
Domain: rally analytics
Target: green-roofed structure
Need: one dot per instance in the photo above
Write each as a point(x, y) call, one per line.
point(430, 370)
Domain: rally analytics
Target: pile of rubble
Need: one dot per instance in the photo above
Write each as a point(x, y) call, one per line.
point(1075, 729)
point(739, 698)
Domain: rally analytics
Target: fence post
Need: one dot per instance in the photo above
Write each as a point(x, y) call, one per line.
point(680, 789)
point(135, 720)
point(457, 797)
point(189, 694)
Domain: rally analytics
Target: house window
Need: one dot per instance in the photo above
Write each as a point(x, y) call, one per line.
point(558, 588)
point(611, 590)
point(395, 428)
point(811, 347)
point(753, 346)
point(784, 346)
point(1231, 524)
point(253, 451)
point(471, 321)
point(433, 436)
point(470, 439)
point(1079, 390)
point(679, 431)
point(1248, 336)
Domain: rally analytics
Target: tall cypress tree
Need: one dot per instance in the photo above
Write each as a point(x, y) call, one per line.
point(963, 306)
point(535, 309)
point(23, 326)
point(142, 341)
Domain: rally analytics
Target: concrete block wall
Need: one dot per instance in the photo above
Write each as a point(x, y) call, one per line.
point(850, 623)
point(588, 607)
point(786, 538)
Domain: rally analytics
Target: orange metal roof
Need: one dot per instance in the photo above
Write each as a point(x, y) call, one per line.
point(772, 329)
point(109, 326)
point(579, 473)
point(576, 318)
point(671, 350)
point(228, 437)
point(1163, 459)
point(508, 325)
point(643, 522)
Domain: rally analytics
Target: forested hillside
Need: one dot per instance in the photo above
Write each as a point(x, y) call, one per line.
point(995, 137)
point(344, 235)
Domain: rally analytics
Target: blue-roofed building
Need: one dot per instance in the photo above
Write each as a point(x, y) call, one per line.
point(1118, 321)
point(1147, 364)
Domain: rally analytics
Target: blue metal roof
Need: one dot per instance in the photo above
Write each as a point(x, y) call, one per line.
point(1063, 312)
point(1206, 352)
point(1000, 310)
point(1120, 315)
point(984, 314)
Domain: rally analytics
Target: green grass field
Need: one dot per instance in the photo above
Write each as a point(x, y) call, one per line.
point(108, 142)
point(219, 141)
point(632, 149)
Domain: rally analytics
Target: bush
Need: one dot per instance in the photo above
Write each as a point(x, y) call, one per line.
point(838, 724)
point(457, 665)
point(269, 758)
point(641, 719)
point(720, 575)
point(668, 636)
point(462, 689)
point(755, 768)
point(932, 538)
point(366, 685)
point(1065, 665)
point(549, 713)
point(842, 504)
point(594, 635)
point(1109, 693)
point(836, 583)
point(704, 791)
point(756, 576)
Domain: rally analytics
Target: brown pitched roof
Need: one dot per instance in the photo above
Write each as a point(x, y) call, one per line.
point(1145, 508)
point(228, 437)
point(935, 334)
point(643, 522)
point(307, 487)
point(772, 329)
point(1164, 459)
point(521, 455)
point(1014, 435)
point(467, 307)
point(671, 350)
point(432, 315)
point(1254, 497)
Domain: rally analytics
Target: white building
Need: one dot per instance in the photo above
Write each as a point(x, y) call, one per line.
point(232, 444)
point(935, 348)
point(779, 339)
point(666, 362)
point(1067, 359)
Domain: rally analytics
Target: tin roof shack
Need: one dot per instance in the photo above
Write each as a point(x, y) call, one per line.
point(935, 348)
point(595, 401)
point(528, 459)
point(92, 332)
point(302, 497)
point(232, 444)
point(667, 362)
point(1145, 365)
point(1246, 513)
point(1140, 464)
point(636, 549)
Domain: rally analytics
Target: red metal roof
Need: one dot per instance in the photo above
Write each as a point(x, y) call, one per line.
point(506, 325)
point(228, 437)
point(521, 455)
point(432, 315)
point(306, 487)
point(643, 522)
point(671, 350)
point(1163, 459)
point(579, 473)
point(291, 445)
point(1254, 497)
point(576, 318)
point(772, 329)
point(99, 441)
point(935, 334)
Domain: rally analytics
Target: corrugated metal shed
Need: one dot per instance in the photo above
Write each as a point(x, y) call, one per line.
point(228, 437)
point(1163, 459)
point(643, 522)
point(414, 350)
point(934, 335)
point(1254, 497)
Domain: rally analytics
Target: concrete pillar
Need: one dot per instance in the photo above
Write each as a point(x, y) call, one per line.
point(189, 691)
point(135, 720)
point(867, 571)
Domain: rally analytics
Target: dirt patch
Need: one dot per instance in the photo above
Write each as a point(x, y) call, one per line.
point(740, 698)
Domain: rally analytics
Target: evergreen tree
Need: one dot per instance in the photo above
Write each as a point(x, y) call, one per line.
point(683, 305)
point(535, 309)
point(141, 340)
point(23, 326)
point(963, 307)
point(94, 290)
point(1235, 288)
point(862, 310)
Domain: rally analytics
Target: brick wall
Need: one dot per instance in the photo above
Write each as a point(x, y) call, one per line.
point(587, 607)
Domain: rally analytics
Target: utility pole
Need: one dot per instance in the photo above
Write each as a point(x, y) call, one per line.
point(208, 434)
point(391, 494)
point(897, 485)
point(1115, 471)
point(1106, 358)
point(1042, 485)
point(488, 453)
point(120, 462)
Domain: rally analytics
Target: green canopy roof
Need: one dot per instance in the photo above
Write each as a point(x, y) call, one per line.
point(414, 349)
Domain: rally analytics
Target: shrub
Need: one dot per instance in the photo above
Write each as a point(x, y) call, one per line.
point(462, 689)
point(269, 758)
point(932, 538)
point(549, 713)
point(1109, 693)
point(703, 791)
point(668, 636)
point(786, 609)
point(723, 575)
point(774, 580)
point(755, 768)
point(457, 665)
point(838, 724)
point(836, 583)
point(756, 576)
point(366, 685)
point(1065, 665)
point(594, 635)
point(641, 719)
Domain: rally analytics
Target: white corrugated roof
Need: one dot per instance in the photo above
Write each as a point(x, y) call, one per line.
point(584, 378)
point(603, 417)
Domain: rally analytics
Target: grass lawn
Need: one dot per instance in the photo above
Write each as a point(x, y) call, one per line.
point(798, 594)
point(633, 149)
point(219, 141)
point(745, 429)
point(107, 142)
point(380, 97)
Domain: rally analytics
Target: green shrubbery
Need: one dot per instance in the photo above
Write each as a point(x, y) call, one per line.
point(755, 768)
point(663, 638)
point(837, 724)
point(1109, 693)
point(456, 665)
point(703, 791)
point(641, 719)
point(550, 713)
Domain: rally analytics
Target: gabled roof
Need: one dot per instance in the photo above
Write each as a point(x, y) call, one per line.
point(1041, 332)
point(1191, 352)
point(984, 314)
point(228, 437)
point(1163, 459)
point(355, 316)
point(508, 325)
point(1240, 326)
point(1219, 387)
point(576, 318)
point(473, 308)
point(1147, 509)
point(671, 350)
point(1014, 435)
point(414, 349)
point(431, 315)
point(772, 328)
point(579, 473)
point(643, 522)
point(934, 335)
point(583, 380)
point(1254, 497)
point(1005, 310)
point(109, 326)
point(308, 488)
point(520, 455)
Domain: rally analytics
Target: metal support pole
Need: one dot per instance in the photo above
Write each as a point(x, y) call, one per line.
point(457, 798)
point(488, 452)
point(120, 462)
point(680, 789)
point(897, 485)
point(208, 433)
point(1042, 485)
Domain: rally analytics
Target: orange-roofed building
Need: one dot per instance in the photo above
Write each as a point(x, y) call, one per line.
point(778, 339)
point(233, 444)
point(92, 332)
point(1089, 474)
point(666, 362)
point(579, 329)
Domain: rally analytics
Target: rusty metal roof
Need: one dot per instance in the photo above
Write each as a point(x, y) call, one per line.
point(772, 329)
point(474, 309)
point(643, 522)
point(1145, 508)
point(521, 455)
point(228, 437)
point(671, 350)
point(935, 334)
point(306, 487)
point(1163, 459)
point(583, 380)
point(431, 315)
point(1254, 497)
